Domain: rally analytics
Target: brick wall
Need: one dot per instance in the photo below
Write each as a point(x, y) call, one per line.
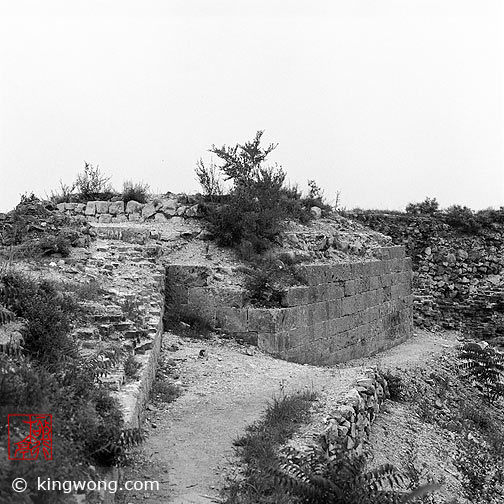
point(344, 311)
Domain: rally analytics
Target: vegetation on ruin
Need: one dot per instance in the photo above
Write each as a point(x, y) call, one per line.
point(249, 216)
point(49, 375)
point(257, 449)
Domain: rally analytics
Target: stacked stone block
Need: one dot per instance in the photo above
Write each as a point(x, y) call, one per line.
point(116, 212)
point(350, 423)
point(343, 311)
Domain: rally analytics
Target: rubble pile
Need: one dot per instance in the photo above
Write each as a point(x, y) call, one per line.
point(34, 228)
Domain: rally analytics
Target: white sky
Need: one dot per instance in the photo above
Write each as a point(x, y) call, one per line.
point(387, 101)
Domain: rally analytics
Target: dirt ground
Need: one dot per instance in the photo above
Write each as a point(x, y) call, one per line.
point(189, 450)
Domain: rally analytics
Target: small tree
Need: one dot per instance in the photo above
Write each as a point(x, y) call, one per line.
point(242, 163)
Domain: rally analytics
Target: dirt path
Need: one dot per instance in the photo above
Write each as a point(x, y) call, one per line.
point(190, 446)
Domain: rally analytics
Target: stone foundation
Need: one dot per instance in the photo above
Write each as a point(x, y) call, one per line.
point(344, 311)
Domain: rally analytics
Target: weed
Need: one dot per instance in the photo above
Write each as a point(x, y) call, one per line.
point(258, 449)
point(90, 184)
point(135, 192)
point(209, 180)
point(395, 385)
point(86, 291)
point(163, 391)
point(131, 367)
point(132, 311)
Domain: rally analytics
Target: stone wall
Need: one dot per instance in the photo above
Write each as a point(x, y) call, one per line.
point(344, 311)
point(106, 212)
point(458, 273)
point(350, 423)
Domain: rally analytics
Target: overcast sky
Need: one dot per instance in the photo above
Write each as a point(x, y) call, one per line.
point(386, 101)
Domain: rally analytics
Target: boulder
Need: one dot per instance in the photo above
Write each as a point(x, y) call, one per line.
point(133, 207)
point(148, 210)
point(316, 212)
point(102, 207)
point(117, 207)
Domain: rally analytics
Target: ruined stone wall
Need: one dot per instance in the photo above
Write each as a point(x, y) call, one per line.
point(458, 273)
point(349, 425)
point(344, 311)
point(115, 212)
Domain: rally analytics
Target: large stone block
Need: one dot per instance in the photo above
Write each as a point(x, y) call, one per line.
point(350, 288)
point(203, 302)
point(321, 311)
point(263, 319)
point(334, 308)
point(90, 208)
point(340, 272)
point(267, 342)
point(116, 207)
point(348, 305)
point(374, 282)
point(357, 269)
point(296, 296)
point(102, 207)
point(290, 318)
point(397, 252)
point(231, 319)
point(105, 219)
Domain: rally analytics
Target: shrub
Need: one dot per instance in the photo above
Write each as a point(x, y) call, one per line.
point(90, 184)
point(135, 192)
point(53, 377)
point(251, 215)
point(463, 218)
point(48, 314)
point(269, 278)
point(429, 206)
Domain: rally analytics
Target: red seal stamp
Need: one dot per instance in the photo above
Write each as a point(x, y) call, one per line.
point(29, 436)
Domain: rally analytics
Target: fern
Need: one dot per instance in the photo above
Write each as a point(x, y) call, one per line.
point(330, 474)
point(6, 315)
point(486, 367)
